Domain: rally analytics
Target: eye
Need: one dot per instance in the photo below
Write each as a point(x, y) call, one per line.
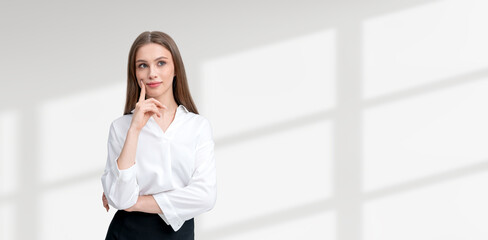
point(161, 63)
point(142, 65)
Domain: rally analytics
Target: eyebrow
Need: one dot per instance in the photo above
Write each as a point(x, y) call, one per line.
point(140, 60)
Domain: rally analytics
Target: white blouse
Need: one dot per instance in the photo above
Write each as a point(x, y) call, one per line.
point(177, 167)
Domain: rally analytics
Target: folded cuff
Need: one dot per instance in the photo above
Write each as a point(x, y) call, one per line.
point(169, 212)
point(126, 174)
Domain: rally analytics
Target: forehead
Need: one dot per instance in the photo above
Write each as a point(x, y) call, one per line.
point(152, 51)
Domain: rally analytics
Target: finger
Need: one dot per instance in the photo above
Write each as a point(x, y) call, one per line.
point(158, 103)
point(151, 109)
point(143, 92)
point(157, 107)
point(105, 202)
point(149, 103)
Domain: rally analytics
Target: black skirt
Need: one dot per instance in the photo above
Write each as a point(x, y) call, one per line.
point(138, 225)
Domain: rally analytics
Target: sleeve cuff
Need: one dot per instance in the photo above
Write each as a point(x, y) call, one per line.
point(169, 214)
point(126, 174)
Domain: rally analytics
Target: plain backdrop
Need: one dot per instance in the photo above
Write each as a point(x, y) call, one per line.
point(343, 120)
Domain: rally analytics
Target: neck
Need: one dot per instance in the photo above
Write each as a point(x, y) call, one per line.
point(168, 100)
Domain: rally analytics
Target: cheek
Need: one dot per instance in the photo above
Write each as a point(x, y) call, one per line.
point(139, 74)
point(168, 74)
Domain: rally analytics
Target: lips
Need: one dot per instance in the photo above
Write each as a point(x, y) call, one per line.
point(154, 84)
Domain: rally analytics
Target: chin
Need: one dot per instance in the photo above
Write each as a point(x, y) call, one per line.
point(155, 93)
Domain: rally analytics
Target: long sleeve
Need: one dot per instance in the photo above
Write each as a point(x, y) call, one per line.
point(120, 186)
point(200, 194)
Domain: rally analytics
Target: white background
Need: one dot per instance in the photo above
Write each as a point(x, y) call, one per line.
point(344, 120)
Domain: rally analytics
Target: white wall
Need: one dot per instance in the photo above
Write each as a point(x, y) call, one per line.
point(339, 120)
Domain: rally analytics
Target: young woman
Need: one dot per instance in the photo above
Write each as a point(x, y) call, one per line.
point(160, 170)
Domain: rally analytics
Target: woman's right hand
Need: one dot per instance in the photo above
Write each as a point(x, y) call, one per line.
point(105, 202)
point(145, 108)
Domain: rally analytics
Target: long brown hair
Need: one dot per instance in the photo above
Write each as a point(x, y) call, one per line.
point(181, 91)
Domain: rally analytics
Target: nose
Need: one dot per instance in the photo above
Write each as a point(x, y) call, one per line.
point(152, 73)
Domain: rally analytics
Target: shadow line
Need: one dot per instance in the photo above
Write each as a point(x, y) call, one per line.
point(268, 220)
point(72, 180)
point(428, 88)
point(55, 185)
point(273, 128)
point(427, 181)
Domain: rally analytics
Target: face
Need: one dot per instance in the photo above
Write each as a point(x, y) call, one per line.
point(154, 65)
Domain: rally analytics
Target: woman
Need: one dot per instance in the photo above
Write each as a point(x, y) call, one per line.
point(160, 170)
